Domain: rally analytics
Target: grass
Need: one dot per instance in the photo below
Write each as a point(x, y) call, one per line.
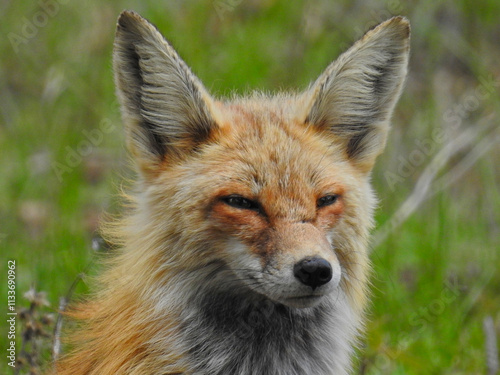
point(434, 278)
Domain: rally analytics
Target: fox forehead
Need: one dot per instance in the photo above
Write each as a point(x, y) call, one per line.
point(276, 143)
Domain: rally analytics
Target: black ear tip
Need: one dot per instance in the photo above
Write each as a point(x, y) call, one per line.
point(402, 24)
point(128, 18)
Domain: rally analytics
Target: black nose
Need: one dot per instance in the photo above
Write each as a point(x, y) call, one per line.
point(313, 272)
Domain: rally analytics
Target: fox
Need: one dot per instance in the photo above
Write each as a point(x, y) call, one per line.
point(245, 245)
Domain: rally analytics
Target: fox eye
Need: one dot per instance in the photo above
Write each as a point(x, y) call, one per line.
point(327, 200)
point(240, 202)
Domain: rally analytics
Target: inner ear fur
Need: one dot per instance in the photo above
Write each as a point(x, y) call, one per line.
point(354, 98)
point(165, 107)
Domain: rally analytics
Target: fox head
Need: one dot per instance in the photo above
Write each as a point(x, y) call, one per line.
point(273, 191)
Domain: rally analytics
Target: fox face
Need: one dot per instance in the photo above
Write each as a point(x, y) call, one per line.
point(272, 193)
point(277, 212)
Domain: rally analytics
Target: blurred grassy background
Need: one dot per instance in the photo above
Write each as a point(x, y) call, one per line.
point(435, 275)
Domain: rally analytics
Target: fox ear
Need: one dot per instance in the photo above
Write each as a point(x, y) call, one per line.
point(354, 98)
point(165, 107)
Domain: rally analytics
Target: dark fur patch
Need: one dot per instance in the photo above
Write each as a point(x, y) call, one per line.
point(355, 144)
point(156, 142)
point(253, 333)
point(381, 81)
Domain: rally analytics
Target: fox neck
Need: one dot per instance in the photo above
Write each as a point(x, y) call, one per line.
point(233, 330)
